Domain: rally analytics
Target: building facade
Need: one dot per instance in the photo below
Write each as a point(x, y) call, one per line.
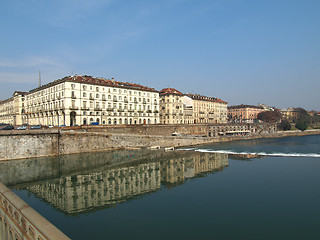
point(12, 110)
point(289, 114)
point(179, 108)
point(244, 113)
point(82, 100)
point(171, 106)
point(208, 109)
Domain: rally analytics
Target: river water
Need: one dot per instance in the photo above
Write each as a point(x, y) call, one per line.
point(254, 189)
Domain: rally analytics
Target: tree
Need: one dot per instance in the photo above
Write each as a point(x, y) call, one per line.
point(284, 125)
point(302, 116)
point(269, 116)
point(303, 119)
point(302, 126)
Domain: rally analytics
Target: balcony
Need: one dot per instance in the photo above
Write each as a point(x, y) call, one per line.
point(73, 97)
point(91, 98)
point(110, 109)
point(104, 99)
point(98, 109)
point(149, 111)
point(155, 111)
point(73, 108)
point(130, 110)
point(85, 108)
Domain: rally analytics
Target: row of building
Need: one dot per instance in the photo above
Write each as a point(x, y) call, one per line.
point(83, 100)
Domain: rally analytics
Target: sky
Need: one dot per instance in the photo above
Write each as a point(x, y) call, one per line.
point(242, 51)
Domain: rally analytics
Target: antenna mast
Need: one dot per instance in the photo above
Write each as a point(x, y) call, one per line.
point(39, 79)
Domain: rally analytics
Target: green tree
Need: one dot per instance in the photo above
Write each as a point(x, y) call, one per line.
point(303, 119)
point(284, 125)
point(302, 126)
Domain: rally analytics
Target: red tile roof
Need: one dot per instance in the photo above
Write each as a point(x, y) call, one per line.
point(204, 98)
point(244, 106)
point(96, 81)
point(169, 91)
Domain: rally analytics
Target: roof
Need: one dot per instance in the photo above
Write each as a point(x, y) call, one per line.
point(20, 93)
point(205, 98)
point(244, 106)
point(169, 91)
point(96, 81)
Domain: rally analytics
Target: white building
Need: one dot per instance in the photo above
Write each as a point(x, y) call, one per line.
point(77, 100)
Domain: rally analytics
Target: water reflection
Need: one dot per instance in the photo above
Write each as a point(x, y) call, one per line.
point(76, 184)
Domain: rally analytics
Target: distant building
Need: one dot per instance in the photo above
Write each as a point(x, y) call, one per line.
point(244, 113)
point(77, 100)
point(12, 110)
point(208, 109)
point(289, 114)
point(266, 107)
point(179, 108)
point(171, 106)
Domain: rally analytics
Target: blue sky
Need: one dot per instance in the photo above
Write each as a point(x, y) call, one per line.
point(242, 51)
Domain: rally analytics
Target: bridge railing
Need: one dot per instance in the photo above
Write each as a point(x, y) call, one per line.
point(19, 221)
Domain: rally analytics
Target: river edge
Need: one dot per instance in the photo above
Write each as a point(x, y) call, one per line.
point(34, 144)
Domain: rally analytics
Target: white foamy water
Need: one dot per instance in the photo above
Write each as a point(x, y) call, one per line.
point(316, 155)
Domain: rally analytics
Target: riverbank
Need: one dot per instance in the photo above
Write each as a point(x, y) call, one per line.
point(53, 142)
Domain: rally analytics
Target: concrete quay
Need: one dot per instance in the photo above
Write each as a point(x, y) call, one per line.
point(52, 142)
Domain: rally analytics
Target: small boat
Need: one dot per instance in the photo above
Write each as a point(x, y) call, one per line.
point(169, 148)
point(155, 147)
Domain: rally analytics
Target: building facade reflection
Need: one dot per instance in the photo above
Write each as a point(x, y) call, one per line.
point(105, 187)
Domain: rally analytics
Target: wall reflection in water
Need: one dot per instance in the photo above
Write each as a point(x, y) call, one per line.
point(91, 181)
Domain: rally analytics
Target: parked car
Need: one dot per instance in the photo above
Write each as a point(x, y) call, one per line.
point(50, 126)
point(8, 127)
point(23, 127)
point(36, 127)
point(94, 123)
point(62, 126)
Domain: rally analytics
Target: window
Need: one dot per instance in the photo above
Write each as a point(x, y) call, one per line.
point(73, 86)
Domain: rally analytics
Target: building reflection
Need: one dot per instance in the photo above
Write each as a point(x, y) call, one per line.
point(106, 186)
point(176, 170)
point(84, 192)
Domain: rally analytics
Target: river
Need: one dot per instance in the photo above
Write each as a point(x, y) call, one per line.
point(253, 189)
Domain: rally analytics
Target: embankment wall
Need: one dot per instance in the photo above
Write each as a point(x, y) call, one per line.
point(41, 143)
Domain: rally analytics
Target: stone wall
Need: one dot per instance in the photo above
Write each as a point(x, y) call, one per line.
point(41, 143)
